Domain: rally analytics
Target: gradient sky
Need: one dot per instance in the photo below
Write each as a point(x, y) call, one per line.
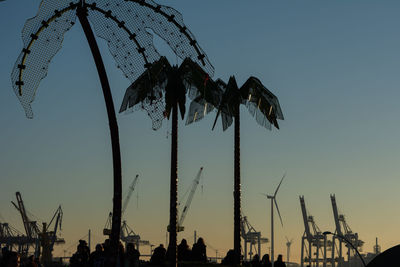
point(334, 67)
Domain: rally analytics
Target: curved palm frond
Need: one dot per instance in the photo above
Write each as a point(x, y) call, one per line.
point(204, 92)
point(126, 25)
point(261, 103)
point(148, 91)
point(42, 36)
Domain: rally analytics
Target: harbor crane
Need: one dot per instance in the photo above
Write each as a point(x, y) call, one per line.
point(312, 238)
point(40, 238)
point(251, 238)
point(13, 239)
point(343, 229)
point(185, 209)
point(195, 183)
point(127, 235)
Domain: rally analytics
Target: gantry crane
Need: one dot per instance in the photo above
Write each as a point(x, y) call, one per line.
point(13, 239)
point(251, 238)
point(314, 238)
point(343, 230)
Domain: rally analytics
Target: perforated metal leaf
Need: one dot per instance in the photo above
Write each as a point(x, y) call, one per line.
point(163, 84)
point(42, 36)
point(261, 103)
point(123, 24)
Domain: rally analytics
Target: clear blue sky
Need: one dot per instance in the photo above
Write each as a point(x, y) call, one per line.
point(334, 67)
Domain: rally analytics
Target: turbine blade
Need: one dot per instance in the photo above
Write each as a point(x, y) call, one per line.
point(276, 191)
point(276, 205)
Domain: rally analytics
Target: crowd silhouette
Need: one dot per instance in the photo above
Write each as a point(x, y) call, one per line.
point(130, 257)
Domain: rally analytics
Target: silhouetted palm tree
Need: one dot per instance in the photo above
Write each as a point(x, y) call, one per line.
point(164, 87)
point(263, 105)
point(123, 24)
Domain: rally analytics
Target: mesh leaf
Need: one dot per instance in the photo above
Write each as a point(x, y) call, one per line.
point(261, 103)
point(124, 24)
point(163, 82)
point(42, 36)
point(148, 91)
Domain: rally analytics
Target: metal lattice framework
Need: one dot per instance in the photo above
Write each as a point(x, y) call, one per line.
point(123, 24)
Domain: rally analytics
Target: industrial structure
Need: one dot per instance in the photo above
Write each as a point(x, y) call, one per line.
point(127, 235)
point(252, 239)
point(41, 240)
point(188, 202)
point(342, 233)
point(314, 244)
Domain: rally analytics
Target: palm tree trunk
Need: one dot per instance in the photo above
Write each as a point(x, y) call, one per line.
point(112, 120)
point(237, 191)
point(173, 214)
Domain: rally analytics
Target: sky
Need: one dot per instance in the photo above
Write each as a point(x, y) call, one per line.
point(334, 68)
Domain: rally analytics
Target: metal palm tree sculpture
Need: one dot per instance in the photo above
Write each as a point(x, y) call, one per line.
point(160, 90)
point(123, 24)
point(264, 106)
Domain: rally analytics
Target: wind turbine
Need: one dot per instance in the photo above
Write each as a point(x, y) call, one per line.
point(273, 200)
point(288, 244)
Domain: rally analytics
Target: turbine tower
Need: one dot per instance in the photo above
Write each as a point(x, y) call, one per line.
point(273, 200)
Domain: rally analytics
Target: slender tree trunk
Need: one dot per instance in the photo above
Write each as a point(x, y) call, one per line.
point(237, 191)
point(173, 214)
point(112, 120)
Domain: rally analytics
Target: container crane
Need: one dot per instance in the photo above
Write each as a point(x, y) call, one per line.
point(251, 238)
point(314, 238)
point(343, 229)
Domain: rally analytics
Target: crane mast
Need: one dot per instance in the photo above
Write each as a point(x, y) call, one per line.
point(195, 183)
point(131, 189)
point(336, 215)
point(30, 226)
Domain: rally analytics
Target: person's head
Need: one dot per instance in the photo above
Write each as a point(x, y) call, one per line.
point(256, 257)
point(99, 248)
point(265, 258)
point(161, 246)
point(200, 241)
point(184, 242)
point(280, 257)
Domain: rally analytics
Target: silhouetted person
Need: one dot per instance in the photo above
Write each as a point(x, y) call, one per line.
point(81, 257)
point(97, 258)
point(199, 251)
point(265, 261)
point(279, 262)
point(255, 262)
point(229, 258)
point(184, 253)
point(131, 256)
point(159, 255)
